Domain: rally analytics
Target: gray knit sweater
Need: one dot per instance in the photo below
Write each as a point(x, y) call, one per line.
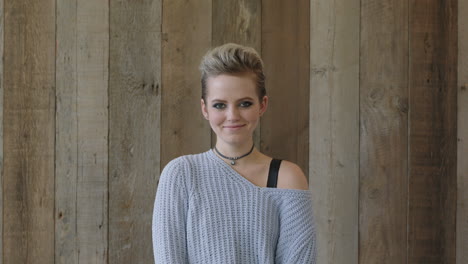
point(205, 212)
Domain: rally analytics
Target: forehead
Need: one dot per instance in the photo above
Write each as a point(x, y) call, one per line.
point(231, 85)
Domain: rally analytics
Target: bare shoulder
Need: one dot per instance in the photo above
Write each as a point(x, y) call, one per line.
point(290, 176)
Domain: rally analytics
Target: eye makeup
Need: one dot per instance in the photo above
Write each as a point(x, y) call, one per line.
point(219, 105)
point(244, 104)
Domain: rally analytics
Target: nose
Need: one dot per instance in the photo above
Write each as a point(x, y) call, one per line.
point(233, 114)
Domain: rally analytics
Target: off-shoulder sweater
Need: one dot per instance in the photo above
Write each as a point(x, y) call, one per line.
point(206, 212)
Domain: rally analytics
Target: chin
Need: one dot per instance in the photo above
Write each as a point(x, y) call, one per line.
point(234, 139)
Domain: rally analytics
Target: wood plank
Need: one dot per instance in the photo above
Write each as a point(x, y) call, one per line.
point(29, 129)
point(186, 38)
point(82, 131)
point(285, 51)
point(462, 150)
point(383, 131)
point(134, 120)
point(334, 128)
point(237, 21)
point(432, 159)
point(92, 114)
point(66, 149)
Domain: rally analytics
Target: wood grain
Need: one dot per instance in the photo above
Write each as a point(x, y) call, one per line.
point(92, 112)
point(383, 131)
point(237, 21)
point(334, 128)
point(462, 148)
point(82, 131)
point(432, 160)
point(66, 149)
point(186, 38)
point(285, 51)
point(432, 187)
point(29, 128)
point(134, 126)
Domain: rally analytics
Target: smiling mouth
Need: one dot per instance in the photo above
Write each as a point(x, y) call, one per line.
point(236, 126)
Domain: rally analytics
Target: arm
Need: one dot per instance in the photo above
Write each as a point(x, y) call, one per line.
point(170, 215)
point(297, 240)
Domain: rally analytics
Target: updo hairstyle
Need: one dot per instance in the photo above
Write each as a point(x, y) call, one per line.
point(233, 59)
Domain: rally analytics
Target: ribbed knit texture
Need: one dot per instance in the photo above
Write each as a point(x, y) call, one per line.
point(205, 212)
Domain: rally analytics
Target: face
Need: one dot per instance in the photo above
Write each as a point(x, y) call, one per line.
point(233, 108)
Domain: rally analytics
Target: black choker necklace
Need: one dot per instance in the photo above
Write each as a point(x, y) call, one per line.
point(233, 159)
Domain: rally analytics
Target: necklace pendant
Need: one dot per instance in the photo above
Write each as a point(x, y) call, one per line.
point(233, 162)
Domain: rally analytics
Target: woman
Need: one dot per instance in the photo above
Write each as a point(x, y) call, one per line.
point(233, 204)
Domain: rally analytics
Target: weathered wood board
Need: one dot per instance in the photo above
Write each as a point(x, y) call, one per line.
point(334, 128)
point(66, 136)
point(82, 132)
point(432, 131)
point(187, 28)
point(285, 51)
point(383, 131)
point(29, 129)
point(134, 127)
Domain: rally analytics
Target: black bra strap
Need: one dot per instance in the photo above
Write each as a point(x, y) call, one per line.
point(273, 173)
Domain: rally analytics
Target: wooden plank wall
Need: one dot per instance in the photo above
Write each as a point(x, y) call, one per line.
point(334, 127)
point(134, 127)
point(383, 131)
point(187, 29)
point(28, 131)
point(81, 189)
point(67, 245)
point(432, 131)
point(97, 96)
point(462, 149)
point(407, 104)
point(285, 49)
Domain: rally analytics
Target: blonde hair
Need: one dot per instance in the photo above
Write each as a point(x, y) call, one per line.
point(233, 59)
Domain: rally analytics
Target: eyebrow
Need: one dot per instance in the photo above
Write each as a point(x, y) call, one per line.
point(241, 99)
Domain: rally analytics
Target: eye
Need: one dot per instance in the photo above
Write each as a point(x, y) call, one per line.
point(246, 104)
point(219, 105)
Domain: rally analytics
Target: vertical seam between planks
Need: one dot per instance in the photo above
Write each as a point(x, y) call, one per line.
point(408, 126)
point(76, 249)
point(3, 128)
point(108, 127)
point(55, 129)
point(359, 138)
point(161, 90)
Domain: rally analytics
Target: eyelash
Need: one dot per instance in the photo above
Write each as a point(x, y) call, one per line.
point(221, 106)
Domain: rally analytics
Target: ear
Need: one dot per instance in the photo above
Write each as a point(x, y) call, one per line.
point(263, 105)
point(203, 109)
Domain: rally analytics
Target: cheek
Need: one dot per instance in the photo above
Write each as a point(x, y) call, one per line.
point(216, 117)
point(252, 115)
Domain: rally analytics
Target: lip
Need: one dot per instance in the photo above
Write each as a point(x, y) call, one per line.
point(233, 127)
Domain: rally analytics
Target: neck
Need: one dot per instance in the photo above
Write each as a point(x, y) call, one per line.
point(234, 150)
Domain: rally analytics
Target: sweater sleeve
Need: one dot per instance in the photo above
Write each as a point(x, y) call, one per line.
point(170, 215)
point(297, 239)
